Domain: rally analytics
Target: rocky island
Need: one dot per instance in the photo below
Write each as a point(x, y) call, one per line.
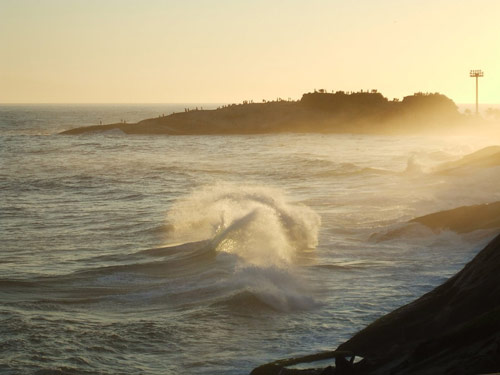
point(320, 111)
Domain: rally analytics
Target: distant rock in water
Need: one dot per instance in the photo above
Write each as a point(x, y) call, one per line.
point(454, 329)
point(484, 158)
point(340, 112)
point(463, 219)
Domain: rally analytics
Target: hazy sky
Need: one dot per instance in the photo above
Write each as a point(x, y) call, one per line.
point(140, 51)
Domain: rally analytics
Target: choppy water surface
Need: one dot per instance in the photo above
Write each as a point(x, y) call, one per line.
point(211, 254)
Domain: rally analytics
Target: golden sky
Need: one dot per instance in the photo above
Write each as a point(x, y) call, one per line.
point(165, 51)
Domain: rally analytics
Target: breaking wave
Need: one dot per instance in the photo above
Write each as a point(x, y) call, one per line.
point(258, 235)
point(258, 224)
point(237, 248)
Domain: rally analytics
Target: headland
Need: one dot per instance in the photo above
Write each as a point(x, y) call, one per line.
point(364, 112)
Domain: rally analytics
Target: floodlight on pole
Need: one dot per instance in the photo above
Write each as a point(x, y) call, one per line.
point(477, 74)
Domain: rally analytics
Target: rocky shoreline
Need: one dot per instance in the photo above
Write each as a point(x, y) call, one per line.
point(454, 329)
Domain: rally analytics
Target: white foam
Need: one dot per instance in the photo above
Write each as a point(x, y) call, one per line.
point(259, 224)
point(279, 288)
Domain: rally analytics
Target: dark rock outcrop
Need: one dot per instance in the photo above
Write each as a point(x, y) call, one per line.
point(485, 158)
point(453, 329)
point(463, 219)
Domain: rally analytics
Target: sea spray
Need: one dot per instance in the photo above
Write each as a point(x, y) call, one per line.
point(413, 166)
point(260, 233)
point(259, 224)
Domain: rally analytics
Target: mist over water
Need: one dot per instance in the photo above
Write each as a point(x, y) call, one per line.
point(214, 254)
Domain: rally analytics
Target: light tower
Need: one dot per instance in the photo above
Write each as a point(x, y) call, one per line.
point(477, 74)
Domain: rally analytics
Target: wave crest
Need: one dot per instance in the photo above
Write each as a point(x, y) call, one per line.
point(259, 224)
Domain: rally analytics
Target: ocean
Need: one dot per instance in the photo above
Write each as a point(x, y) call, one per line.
point(212, 254)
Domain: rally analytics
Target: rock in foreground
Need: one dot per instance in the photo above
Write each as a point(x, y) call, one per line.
point(454, 329)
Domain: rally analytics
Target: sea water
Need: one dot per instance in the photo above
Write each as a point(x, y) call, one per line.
point(212, 254)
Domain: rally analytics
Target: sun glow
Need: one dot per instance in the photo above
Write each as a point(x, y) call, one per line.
point(229, 51)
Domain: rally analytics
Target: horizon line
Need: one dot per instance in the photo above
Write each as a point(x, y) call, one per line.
point(105, 103)
point(175, 103)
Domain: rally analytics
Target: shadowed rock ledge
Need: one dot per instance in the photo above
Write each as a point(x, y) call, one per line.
point(463, 219)
point(454, 329)
point(485, 158)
